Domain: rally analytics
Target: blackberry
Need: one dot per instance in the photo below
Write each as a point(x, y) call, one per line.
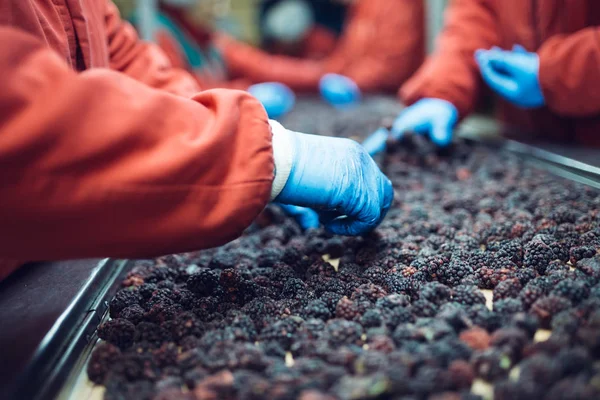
point(571, 289)
point(331, 299)
point(369, 292)
point(467, 295)
point(547, 306)
point(317, 309)
point(347, 309)
point(577, 254)
point(294, 288)
point(340, 332)
point(538, 255)
point(491, 364)
point(435, 292)
point(423, 308)
point(119, 332)
point(393, 301)
point(123, 298)
point(508, 306)
point(103, 357)
point(204, 282)
point(509, 288)
point(372, 318)
point(454, 272)
point(531, 293)
point(134, 313)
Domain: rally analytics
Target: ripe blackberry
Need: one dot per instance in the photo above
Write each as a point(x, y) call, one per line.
point(538, 255)
point(454, 272)
point(372, 318)
point(134, 313)
point(119, 332)
point(574, 290)
point(204, 282)
point(369, 292)
point(124, 298)
point(431, 265)
point(341, 331)
point(331, 299)
point(547, 306)
point(491, 364)
point(423, 308)
point(103, 357)
point(491, 277)
point(375, 275)
point(566, 321)
point(577, 254)
point(294, 288)
point(531, 292)
point(510, 340)
point(508, 307)
point(509, 288)
point(392, 301)
point(435, 292)
point(484, 318)
point(347, 309)
point(317, 309)
point(467, 295)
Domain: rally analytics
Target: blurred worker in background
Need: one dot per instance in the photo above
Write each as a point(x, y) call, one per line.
point(381, 45)
point(106, 150)
point(301, 28)
point(541, 57)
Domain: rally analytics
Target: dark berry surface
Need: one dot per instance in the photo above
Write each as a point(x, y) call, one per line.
point(484, 270)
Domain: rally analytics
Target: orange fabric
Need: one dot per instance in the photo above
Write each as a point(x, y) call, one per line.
point(95, 163)
point(381, 46)
point(566, 36)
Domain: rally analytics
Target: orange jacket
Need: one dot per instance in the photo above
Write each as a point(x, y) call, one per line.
point(95, 163)
point(566, 36)
point(381, 46)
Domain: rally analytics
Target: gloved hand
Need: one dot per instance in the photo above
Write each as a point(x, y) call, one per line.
point(276, 98)
point(338, 90)
point(514, 75)
point(305, 217)
point(336, 178)
point(432, 116)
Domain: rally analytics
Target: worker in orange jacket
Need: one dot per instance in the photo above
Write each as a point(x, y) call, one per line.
point(541, 57)
point(106, 150)
point(380, 47)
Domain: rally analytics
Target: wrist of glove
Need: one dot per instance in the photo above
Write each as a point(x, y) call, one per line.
point(335, 177)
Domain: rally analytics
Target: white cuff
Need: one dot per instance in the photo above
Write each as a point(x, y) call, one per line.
point(283, 154)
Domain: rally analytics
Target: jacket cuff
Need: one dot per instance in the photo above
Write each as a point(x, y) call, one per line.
point(283, 155)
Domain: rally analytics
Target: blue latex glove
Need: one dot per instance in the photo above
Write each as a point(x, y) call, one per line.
point(434, 117)
point(338, 90)
point(375, 143)
point(338, 179)
point(305, 217)
point(276, 98)
point(514, 75)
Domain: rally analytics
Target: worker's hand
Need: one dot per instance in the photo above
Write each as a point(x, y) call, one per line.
point(305, 217)
point(336, 178)
point(434, 117)
point(276, 98)
point(514, 75)
point(339, 90)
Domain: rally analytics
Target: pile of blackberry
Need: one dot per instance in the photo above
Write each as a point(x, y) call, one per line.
point(402, 316)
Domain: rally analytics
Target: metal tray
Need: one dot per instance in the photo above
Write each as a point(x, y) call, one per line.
point(54, 358)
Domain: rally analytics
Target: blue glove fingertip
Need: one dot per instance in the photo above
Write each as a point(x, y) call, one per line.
point(276, 98)
point(338, 90)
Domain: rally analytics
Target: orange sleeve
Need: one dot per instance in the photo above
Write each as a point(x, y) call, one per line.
point(143, 61)
point(570, 72)
point(382, 44)
point(98, 164)
point(451, 72)
point(245, 61)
